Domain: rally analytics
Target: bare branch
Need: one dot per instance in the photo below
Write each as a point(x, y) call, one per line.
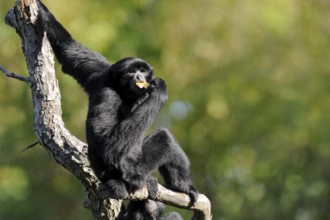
point(13, 75)
point(202, 206)
point(30, 146)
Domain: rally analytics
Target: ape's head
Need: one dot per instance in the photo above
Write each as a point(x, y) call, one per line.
point(131, 77)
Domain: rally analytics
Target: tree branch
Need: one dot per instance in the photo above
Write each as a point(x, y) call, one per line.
point(49, 128)
point(30, 146)
point(13, 75)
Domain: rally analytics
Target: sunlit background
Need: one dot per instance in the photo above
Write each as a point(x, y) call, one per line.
point(249, 88)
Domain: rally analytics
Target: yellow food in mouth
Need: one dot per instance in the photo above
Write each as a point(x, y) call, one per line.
point(142, 85)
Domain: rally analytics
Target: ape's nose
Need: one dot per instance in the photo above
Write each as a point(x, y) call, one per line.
point(139, 77)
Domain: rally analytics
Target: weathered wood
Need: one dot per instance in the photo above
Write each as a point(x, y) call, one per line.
point(49, 128)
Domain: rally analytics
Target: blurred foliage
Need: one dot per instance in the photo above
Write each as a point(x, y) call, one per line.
point(248, 84)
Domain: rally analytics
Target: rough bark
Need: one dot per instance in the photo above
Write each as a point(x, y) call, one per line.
point(49, 128)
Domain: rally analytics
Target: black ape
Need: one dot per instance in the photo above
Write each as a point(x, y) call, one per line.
point(124, 100)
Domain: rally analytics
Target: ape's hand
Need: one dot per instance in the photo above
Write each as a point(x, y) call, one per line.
point(158, 90)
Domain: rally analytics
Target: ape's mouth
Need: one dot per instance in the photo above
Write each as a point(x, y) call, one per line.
point(142, 85)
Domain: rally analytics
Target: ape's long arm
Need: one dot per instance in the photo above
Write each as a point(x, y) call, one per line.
point(84, 65)
point(129, 132)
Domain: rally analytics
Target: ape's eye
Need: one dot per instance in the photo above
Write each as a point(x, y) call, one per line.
point(135, 70)
point(131, 72)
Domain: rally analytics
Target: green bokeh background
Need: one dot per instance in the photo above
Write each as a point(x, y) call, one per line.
point(249, 88)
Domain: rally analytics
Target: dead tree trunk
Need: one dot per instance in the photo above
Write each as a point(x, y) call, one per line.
point(49, 128)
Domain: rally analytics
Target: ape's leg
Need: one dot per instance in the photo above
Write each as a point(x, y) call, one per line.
point(113, 188)
point(143, 210)
point(160, 150)
point(148, 210)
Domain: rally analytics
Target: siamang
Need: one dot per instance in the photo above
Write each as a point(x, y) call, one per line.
point(124, 99)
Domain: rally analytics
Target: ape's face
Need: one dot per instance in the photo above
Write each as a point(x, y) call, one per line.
point(132, 76)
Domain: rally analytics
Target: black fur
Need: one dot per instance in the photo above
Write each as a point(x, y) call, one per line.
point(147, 210)
point(119, 114)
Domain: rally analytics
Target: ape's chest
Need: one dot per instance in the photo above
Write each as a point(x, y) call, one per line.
point(124, 111)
